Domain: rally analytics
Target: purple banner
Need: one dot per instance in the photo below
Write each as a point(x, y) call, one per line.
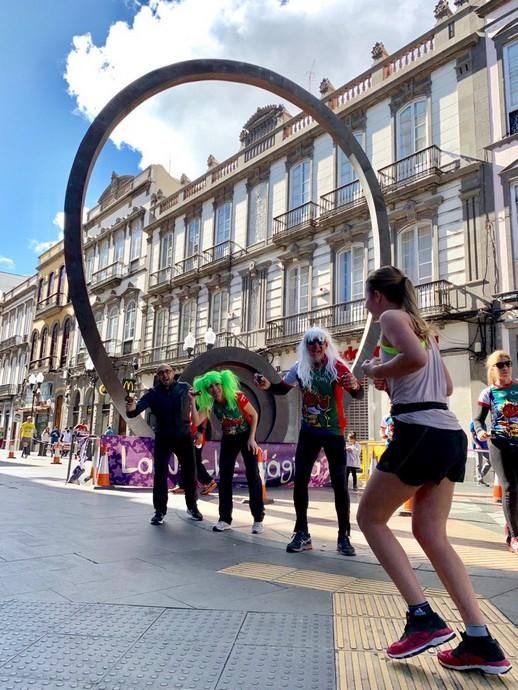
point(130, 462)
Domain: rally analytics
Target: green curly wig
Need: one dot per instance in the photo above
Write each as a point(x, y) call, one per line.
point(228, 381)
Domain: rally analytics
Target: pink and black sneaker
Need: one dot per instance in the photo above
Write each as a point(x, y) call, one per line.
point(476, 654)
point(420, 635)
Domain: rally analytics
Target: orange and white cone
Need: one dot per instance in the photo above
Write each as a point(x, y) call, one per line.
point(406, 508)
point(56, 456)
point(497, 490)
point(103, 475)
point(261, 459)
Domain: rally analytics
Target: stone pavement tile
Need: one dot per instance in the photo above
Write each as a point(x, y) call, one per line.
point(278, 668)
point(14, 641)
point(111, 620)
point(287, 629)
point(65, 658)
point(293, 599)
point(19, 683)
point(508, 602)
point(36, 615)
point(171, 663)
point(161, 598)
point(198, 626)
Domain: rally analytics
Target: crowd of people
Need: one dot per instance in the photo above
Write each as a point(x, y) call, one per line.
point(57, 441)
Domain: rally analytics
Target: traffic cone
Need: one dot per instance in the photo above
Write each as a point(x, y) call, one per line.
point(497, 490)
point(11, 454)
point(56, 457)
point(261, 460)
point(103, 475)
point(406, 508)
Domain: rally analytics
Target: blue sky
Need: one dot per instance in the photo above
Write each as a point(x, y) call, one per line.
point(63, 59)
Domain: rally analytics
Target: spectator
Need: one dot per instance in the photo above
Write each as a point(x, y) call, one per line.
point(354, 459)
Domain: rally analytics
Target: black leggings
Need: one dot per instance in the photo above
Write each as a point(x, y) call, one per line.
point(231, 446)
point(308, 447)
point(504, 459)
point(183, 448)
point(354, 472)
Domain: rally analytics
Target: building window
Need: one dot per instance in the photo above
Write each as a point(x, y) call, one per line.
point(415, 252)
point(53, 346)
point(166, 251)
point(118, 246)
point(98, 316)
point(223, 230)
point(65, 343)
point(188, 319)
point(219, 311)
point(89, 267)
point(258, 213)
point(104, 254)
point(192, 242)
point(61, 278)
point(136, 238)
point(43, 342)
point(350, 265)
point(300, 184)
point(112, 327)
point(345, 171)
point(50, 284)
point(412, 129)
point(511, 86)
point(130, 321)
point(160, 330)
point(34, 346)
point(298, 298)
point(40, 290)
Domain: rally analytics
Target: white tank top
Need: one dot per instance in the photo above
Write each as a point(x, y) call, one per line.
point(428, 384)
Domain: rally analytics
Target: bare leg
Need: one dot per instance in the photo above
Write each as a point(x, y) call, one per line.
point(383, 495)
point(430, 512)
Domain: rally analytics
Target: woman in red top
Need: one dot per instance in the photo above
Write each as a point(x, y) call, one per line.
point(219, 393)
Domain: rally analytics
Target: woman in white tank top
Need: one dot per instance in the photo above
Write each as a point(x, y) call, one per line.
point(425, 457)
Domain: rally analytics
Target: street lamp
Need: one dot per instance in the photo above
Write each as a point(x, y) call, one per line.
point(93, 377)
point(35, 382)
point(210, 338)
point(189, 343)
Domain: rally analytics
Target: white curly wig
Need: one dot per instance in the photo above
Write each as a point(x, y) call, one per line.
point(305, 364)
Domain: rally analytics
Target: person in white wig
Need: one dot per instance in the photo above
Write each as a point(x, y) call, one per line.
point(323, 377)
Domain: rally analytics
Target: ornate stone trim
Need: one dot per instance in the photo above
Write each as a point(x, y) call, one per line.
point(415, 211)
point(192, 212)
point(299, 153)
point(223, 194)
point(410, 90)
point(357, 120)
point(259, 174)
point(442, 10)
point(379, 52)
point(298, 252)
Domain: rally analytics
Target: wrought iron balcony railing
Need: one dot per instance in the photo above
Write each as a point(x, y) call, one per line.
point(50, 302)
point(108, 275)
point(411, 168)
point(344, 197)
point(298, 218)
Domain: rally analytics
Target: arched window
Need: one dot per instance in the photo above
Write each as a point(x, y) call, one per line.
point(98, 316)
point(53, 345)
point(130, 321)
point(61, 278)
point(34, 346)
point(112, 327)
point(136, 238)
point(65, 343)
point(412, 128)
point(415, 252)
point(75, 408)
point(40, 290)
point(43, 342)
point(50, 284)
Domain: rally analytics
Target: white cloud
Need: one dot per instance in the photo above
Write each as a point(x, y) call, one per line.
point(180, 128)
point(39, 247)
point(59, 220)
point(6, 261)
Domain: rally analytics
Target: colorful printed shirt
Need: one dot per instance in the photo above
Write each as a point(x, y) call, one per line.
point(503, 403)
point(235, 421)
point(323, 401)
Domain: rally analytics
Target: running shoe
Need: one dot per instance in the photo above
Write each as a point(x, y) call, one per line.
point(157, 519)
point(257, 528)
point(194, 514)
point(419, 635)
point(344, 546)
point(300, 541)
point(476, 654)
point(221, 526)
point(513, 545)
point(209, 488)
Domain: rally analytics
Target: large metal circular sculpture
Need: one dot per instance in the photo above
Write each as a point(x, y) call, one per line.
point(127, 100)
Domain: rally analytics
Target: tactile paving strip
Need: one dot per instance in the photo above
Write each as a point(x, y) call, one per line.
point(105, 620)
point(36, 616)
point(279, 668)
point(191, 625)
point(374, 671)
point(66, 659)
point(286, 630)
point(170, 663)
point(40, 684)
point(12, 642)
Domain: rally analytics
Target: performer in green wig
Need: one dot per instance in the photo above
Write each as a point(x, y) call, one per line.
point(218, 392)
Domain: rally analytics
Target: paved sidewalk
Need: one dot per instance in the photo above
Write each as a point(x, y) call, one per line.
point(92, 596)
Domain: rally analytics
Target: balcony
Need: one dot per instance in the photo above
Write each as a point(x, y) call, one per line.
point(299, 222)
point(12, 342)
point(9, 390)
point(50, 304)
point(220, 256)
point(185, 270)
point(425, 165)
point(113, 347)
point(44, 363)
point(176, 354)
point(340, 200)
point(435, 300)
point(160, 281)
point(107, 277)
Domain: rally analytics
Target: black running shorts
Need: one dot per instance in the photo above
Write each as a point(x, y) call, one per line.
point(420, 454)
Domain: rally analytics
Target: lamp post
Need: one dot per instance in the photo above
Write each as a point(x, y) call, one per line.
point(93, 377)
point(189, 343)
point(210, 338)
point(35, 382)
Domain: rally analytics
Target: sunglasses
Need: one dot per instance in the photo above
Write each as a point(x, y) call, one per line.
point(505, 363)
point(316, 341)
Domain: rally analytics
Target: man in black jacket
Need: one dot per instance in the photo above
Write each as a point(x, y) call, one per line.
point(170, 402)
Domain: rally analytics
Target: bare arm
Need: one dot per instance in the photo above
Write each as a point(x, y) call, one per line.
point(254, 417)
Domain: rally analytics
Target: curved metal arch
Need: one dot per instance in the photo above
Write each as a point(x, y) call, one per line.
point(125, 102)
